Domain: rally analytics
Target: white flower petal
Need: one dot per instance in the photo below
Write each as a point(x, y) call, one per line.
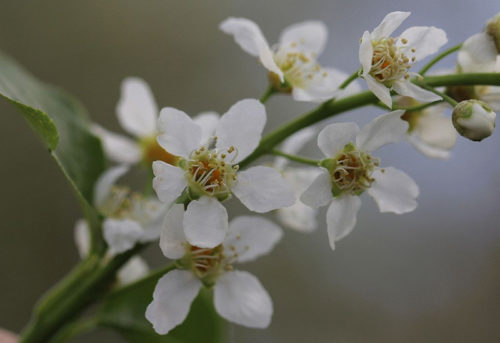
point(173, 239)
point(82, 238)
point(366, 53)
point(389, 24)
point(121, 234)
point(208, 122)
point(136, 109)
point(426, 149)
point(169, 181)
point(179, 134)
point(240, 298)
point(135, 269)
point(384, 129)
point(249, 37)
point(250, 237)
point(262, 189)
point(379, 90)
point(426, 40)
point(322, 85)
point(118, 148)
point(408, 88)
point(492, 97)
point(172, 299)
point(337, 77)
point(294, 143)
point(341, 217)
point(151, 216)
point(478, 54)
point(319, 193)
point(393, 191)
point(335, 136)
point(308, 36)
point(205, 222)
point(242, 128)
point(105, 182)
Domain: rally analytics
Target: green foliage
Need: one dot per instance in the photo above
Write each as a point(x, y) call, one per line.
point(124, 311)
point(60, 120)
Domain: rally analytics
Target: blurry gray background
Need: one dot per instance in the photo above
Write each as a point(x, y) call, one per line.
point(429, 276)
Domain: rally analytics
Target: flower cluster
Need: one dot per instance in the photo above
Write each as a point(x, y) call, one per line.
point(200, 163)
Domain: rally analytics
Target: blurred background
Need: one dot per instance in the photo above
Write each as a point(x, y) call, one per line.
point(429, 276)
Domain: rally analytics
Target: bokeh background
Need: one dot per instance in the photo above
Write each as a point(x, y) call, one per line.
point(429, 276)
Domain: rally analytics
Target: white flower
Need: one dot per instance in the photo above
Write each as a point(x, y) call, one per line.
point(129, 217)
point(292, 62)
point(299, 216)
point(133, 270)
point(474, 119)
point(349, 170)
point(430, 132)
point(238, 296)
point(386, 60)
point(206, 174)
point(137, 113)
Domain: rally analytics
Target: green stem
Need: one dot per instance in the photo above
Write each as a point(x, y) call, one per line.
point(439, 58)
point(269, 91)
point(409, 109)
point(75, 329)
point(351, 78)
point(296, 158)
point(445, 97)
point(83, 285)
point(333, 107)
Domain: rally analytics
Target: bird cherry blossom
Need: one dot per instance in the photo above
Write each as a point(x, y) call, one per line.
point(238, 295)
point(292, 62)
point(429, 131)
point(137, 113)
point(129, 217)
point(207, 174)
point(349, 170)
point(386, 60)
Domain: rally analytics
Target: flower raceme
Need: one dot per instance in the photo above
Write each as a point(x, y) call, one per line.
point(292, 62)
point(238, 296)
point(137, 113)
point(386, 60)
point(208, 173)
point(349, 170)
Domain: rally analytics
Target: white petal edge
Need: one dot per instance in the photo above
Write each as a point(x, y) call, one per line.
point(389, 24)
point(250, 38)
point(341, 217)
point(262, 189)
point(172, 239)
point(393, 191)
point(172, 299)
point(179, 134)
point(105, 182)
point(384, 129)
point(240, 298)
point(250, 237)
point(319, 193)
point(121, 234)
point(118, 148)
point(366, 53)
point(334, 137)
point(208, 122)
point(241, 126)
point(82, 238)
point(168, 181)
point(408, 88)
point(308, 36)
point(136, 110)
point(135, 269)
point(205, 222)
point(478, 54)
point(379, 90)
point(426, 40)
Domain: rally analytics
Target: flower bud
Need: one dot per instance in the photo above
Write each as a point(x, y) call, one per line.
point(493, 29)
point(474, 119)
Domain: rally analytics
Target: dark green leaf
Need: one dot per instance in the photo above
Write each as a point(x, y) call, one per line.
point(60, 120)
point(124, 311)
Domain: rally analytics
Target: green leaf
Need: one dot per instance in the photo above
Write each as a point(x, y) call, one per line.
point(60, 120)
point(124, 311)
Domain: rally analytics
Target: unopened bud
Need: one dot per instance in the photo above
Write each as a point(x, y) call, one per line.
point(493, 29)
point(474, 119)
